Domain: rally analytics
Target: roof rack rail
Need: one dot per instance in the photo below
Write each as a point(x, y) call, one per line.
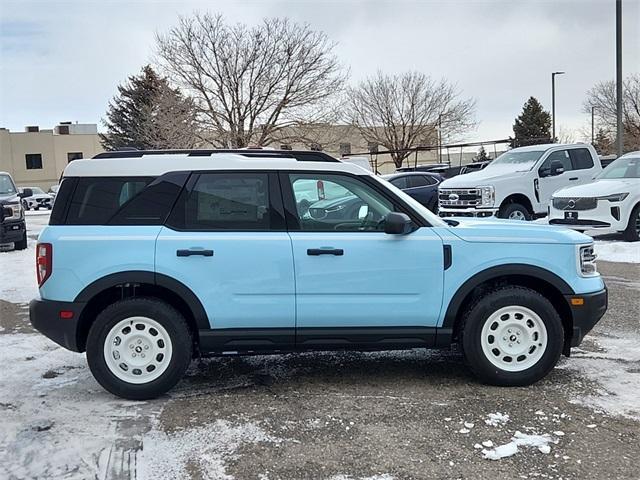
point(300, 155)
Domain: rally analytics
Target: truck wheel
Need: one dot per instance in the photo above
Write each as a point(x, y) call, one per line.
point(139, 348)
point(512, 336)
point(632, 232)
point(514, 211)
point(22, 244)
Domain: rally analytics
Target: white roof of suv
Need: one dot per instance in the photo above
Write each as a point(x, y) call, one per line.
point(153, 165)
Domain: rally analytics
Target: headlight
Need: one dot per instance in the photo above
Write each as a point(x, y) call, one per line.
point(13, 211)
point(487, 196)
point(587, 260)
point(616, 197)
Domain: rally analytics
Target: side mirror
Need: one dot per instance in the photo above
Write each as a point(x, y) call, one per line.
point(397, 223)
point(26, 192)
point(556, 168)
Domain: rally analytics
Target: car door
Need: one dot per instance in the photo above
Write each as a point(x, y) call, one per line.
point(583, 166)
point(423, 188)
point(548, 181)
point(356, 285)
point(226, 241)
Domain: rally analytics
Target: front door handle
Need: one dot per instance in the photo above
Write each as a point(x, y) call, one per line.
point(573, 178)
point(188, 253)
point(325, 251)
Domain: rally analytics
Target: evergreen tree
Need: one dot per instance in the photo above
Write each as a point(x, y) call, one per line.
point(482, 155)
point(148, 114)
point(532, 126)
point(603, 143)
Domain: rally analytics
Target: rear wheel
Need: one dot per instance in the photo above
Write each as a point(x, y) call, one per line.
point(632, 232)
point(512, 336)
point(514, 211)
point(139, 348)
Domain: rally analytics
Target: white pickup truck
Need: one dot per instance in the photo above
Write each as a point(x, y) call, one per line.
point(519, 183)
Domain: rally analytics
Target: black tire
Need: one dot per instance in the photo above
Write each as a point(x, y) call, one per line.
point(632, 232)
point(480, 312)
point(25, 205)
point(509, 209)
point(22, 244)
point(164, 314)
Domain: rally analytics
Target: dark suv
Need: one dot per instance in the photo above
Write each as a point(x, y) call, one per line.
point(13, 229)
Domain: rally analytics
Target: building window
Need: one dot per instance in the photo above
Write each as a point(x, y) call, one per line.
point(34, 161)
point(285, 146)
point(345, 149)
point(316, 147)
point(373, 147)
point(71, 156)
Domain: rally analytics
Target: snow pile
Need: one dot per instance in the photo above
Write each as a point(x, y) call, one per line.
point(496, 419)
point(541, 442)
point(628, 252)
point(167, 455)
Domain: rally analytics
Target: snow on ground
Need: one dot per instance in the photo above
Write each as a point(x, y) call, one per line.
point(541, 442)
point(618, 251)
point(611, 368)
point(202, 449)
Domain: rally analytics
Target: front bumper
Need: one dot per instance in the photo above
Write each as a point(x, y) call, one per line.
point(467, 212)
point(585, 316)
point(606, 216)
point(45, 317)
point(12, 231)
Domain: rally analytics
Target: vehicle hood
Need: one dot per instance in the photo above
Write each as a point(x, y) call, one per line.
point(6, 199)
point(600, 188)
point(487, 176)
point(39, 195)
point(514, 231)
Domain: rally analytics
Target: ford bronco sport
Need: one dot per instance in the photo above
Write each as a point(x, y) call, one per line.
point(153, 258)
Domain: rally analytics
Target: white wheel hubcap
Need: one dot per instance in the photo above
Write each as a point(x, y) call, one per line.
point(514, 338)
point(517, 215)
point(137, 350)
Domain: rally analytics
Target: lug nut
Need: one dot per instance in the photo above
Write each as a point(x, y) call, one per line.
point(146, 347)
point(139, 342)
point(142, 354)
point(133, 354)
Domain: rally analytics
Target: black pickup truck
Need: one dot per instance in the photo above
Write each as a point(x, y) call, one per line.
point(13, 229)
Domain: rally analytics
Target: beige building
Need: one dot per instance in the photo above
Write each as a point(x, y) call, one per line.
point(37, 157)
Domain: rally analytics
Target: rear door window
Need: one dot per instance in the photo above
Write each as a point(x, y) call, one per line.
point(581, 159)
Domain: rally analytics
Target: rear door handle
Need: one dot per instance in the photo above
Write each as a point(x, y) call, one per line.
point(573, 178)
point(325, 251)
point(188, 253)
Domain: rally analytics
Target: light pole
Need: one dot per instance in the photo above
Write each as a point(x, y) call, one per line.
point(553, 104)
point(619, 129)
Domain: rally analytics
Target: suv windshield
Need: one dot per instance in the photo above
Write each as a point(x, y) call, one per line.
point(523, 160)
point(624, 167)
point(6, 185)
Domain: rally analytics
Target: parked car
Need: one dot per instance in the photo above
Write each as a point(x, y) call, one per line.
point(53, 191)
point(148, 263)
point(13, 230)
point(474, 167)
point(519, 183)
point(420, 185)
point(39, 199)
point(611, 203)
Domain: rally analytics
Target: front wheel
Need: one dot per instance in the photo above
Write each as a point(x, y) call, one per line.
point(22, 243)
point(632, 232)
point(139, 348)
point(512, 336)
point(514, 211)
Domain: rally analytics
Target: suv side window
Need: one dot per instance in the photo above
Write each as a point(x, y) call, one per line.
point(561, 156)
point(400, 182)
point(225, 201)
point(96, 199)
point(333, 202)
point(581, 158)
point(420, 181)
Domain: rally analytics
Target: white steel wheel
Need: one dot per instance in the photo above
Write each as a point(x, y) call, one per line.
point(137, 350)
point(514, 338)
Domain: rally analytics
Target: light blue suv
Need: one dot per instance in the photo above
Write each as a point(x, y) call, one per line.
point(153, 258)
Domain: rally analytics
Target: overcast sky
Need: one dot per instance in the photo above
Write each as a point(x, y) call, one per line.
point(62, 60)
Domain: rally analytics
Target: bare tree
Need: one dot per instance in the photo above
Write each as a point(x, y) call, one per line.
point(170, 121)
point(401, 112)
point(251, 82)
point(602, 97)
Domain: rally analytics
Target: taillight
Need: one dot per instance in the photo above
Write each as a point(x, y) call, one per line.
point(44, 262)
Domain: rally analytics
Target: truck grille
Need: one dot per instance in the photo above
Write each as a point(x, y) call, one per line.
point(575, 203)
point(459, 197)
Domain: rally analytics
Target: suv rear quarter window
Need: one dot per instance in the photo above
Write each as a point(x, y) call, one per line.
point(581, 159)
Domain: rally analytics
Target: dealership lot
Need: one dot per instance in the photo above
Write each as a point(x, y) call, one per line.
point(409, 414)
